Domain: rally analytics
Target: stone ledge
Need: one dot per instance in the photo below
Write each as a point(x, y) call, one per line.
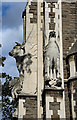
point(74, 78)
point(52, 89)
point(26, 95)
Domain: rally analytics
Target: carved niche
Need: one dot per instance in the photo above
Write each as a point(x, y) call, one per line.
point(52, 62)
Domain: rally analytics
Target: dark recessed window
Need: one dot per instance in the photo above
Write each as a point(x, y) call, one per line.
point(76, 62)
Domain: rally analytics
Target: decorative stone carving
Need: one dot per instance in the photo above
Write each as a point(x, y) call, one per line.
point(17, 52)
point(55, 106)
point(16, 85)
point(52, 61)
point(54, 83)
point(23, 57)
point(23, 54)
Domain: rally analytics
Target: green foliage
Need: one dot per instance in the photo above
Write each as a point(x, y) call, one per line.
point(2, 59)
point(8, 104)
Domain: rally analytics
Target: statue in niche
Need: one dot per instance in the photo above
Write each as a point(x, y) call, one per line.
point(52, 62)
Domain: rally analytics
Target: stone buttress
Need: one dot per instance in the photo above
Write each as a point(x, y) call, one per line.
point(33, 71)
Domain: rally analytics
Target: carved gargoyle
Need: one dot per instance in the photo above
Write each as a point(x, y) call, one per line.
point(16, 85)
point(19, 53)
point(23, 61)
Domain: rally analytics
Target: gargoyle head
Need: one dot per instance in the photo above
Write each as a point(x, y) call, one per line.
point(17, 50)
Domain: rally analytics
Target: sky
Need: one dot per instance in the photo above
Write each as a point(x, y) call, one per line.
point(12, 31)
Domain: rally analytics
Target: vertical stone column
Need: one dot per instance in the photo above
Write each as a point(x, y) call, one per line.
point(47, 20)
point(24, 25)
point(29, 90)
point(48, 67)
point(61, 54)
point(72, 84)
point(40, 59)
point(24, 29)
point(30, 78)
point(21, 109)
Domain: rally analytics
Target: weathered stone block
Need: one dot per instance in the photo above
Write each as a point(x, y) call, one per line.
point(51, 5)
point(31, 107)
point(33, 20)
point(51, 26)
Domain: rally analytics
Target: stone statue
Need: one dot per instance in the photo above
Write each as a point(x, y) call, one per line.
point(23, 54)
point(16, 85)
point(23, 57)
point(17, 52)
point(52, 59)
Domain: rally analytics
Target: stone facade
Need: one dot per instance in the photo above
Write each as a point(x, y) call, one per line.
point(49, 68)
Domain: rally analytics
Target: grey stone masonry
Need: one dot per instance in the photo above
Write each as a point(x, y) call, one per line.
point(31, 107)
point(51, 16)
point(69, 26)
point(33, 10)
point(55, 106)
